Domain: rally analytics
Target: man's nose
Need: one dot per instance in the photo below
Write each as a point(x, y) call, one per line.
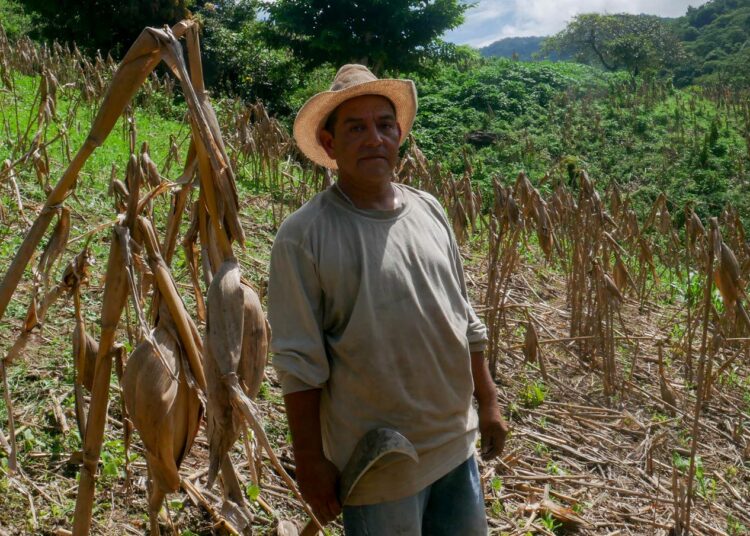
point(373, 135)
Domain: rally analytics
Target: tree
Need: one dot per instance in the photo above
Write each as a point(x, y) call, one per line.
point(106, 25)
point(238, 61)
point(382, 34)
point(635, 43)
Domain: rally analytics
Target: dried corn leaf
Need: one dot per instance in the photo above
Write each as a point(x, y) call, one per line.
point(531, 343)
point(56, 244)
point(564, 515)
point(621, 275)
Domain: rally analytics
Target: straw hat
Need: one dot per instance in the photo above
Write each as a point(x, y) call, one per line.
point(352, 80)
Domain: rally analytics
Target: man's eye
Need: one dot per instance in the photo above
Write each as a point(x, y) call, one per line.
point(356, 128)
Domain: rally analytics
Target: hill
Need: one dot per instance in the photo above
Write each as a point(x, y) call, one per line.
point(717, 36)
point(543, 117)
point(521, 48)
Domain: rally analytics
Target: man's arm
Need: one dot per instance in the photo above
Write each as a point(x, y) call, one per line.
point(492, 426)
point(317, 477)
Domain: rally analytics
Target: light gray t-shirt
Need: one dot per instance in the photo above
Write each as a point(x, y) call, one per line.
point(371, 307)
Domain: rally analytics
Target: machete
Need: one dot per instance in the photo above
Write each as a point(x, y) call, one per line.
point(373, 446)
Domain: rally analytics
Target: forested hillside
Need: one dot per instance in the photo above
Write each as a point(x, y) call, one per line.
point(520, 48)
point(717, 36)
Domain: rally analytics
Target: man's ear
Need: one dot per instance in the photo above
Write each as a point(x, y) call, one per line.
point(326, 140)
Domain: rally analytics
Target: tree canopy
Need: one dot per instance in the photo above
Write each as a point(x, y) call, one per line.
point(106, 25)
point(237, 59)
point(382, 34)
point(635, 43)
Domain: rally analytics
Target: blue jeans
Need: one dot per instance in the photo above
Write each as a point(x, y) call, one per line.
point(452, 506)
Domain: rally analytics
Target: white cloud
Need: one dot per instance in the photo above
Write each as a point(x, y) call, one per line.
point(491, 20)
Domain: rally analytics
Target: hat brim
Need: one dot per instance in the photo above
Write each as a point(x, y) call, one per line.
point(312, 116)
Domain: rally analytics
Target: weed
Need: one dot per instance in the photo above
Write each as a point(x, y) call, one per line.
point(735, 527)
point(533, 394)
point(706, 485)
point(497, 508)
point(549, 522)
point(554, 469)
point(252, 491)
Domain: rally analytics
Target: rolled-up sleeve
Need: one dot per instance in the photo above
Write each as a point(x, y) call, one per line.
point(295, 314)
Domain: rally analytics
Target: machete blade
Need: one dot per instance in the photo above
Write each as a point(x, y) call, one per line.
point(369, 449)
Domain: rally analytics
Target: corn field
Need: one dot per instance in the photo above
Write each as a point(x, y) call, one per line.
point(620, 343)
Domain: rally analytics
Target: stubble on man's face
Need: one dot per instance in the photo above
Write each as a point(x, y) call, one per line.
point(365, 139)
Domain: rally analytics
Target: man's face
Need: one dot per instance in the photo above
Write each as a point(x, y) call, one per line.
point(365, 139)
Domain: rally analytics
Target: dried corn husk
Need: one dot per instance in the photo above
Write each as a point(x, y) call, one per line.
point(163, 406)
point(255, 335)
point(84, 358)
point(222, 356)
point(695, 227)
point(149, 168)
point(727, 276)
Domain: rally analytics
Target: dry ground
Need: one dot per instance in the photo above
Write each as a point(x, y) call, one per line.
point(607, 465)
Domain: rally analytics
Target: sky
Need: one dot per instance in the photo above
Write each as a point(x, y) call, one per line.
point(490, 20)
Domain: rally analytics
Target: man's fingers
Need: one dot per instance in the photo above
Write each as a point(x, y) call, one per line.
point(493, 442)
point(326, 509)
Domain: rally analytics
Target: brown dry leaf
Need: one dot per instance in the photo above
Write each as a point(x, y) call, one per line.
point(613, 289)
point(563, 514)
point(56, 244)
point(621, 274)
point(544, 229)
point(615, 201)
point(531, 343)
point(695, 227)
point(32, 316)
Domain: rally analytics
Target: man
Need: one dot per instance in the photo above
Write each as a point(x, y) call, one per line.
point(371, 326)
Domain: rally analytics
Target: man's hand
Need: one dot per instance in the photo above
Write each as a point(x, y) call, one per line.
point(493, 430)
point(492, 426)
point(317, 479)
